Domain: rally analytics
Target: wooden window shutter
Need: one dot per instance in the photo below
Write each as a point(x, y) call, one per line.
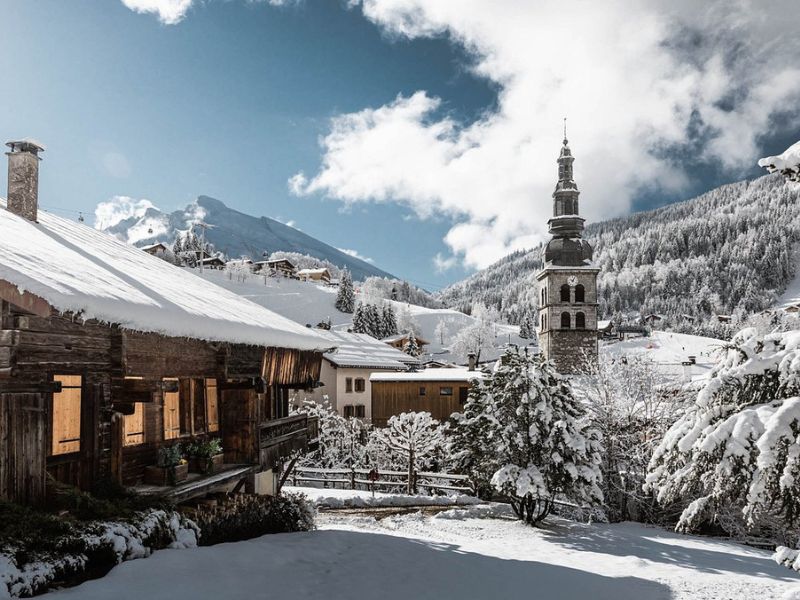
point(212, 405)
point(66, 425)
point(134, 426)
point(172, 414)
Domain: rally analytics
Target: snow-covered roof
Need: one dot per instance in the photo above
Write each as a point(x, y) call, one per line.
point(78, 269)
point(152, 246)
point(458, 374)
point(312, 271)
point(787, 163)
point(361, 350)
point(402, 336)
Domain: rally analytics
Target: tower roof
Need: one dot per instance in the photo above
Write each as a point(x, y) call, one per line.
point(566, 248)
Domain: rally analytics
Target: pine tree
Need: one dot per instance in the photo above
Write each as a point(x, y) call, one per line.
point(373, 321)
point(359, 322)
point(737, 450)
point(389, 321)
point(411, 347)
point(539, 437)
point(346, 298)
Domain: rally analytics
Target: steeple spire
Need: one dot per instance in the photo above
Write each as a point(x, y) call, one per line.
point(565, 131)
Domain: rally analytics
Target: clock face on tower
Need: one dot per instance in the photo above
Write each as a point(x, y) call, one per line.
point(572, 281)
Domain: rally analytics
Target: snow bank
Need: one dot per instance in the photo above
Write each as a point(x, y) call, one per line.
point(122, 540)
point(331, 498)
point(80, 270)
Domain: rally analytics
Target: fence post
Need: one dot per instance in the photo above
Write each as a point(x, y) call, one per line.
point(352, 478)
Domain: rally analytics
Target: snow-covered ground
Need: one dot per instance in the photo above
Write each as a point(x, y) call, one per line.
point(453, 555)
point(668, 351)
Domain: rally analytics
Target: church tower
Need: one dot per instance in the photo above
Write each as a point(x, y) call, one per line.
point(568, 281)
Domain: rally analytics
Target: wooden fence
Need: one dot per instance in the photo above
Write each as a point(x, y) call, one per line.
point(391, 481)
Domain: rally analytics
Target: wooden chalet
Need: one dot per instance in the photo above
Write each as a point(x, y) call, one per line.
point(322, 275)
point(400, 340)
point(108, 354)
point(281, 266)
point(440, 392)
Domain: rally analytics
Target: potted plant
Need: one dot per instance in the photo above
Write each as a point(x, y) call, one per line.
point(170, 469)
point(205, 456)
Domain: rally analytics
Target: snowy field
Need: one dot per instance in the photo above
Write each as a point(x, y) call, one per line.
point(452, 555)
point(668, 350)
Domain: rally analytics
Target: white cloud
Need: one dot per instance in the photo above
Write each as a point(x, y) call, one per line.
point(444, 263)
point(119, 208)
point(355, 254)
point(172, 12)
point(640, 83)
point(169, 12)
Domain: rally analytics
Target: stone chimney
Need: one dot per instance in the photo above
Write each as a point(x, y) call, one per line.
point(471, 359)
point(23, 178)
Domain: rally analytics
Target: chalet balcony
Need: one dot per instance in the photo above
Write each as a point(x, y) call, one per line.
point(280, 438)
point(198, 484)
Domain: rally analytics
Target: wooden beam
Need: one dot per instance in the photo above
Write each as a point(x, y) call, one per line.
point(29, 387)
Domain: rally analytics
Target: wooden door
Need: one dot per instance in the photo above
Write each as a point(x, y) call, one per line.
point(172, 415)
point(22, 448)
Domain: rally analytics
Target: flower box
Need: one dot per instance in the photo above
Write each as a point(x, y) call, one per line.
point(206, 466)
point(160, 475)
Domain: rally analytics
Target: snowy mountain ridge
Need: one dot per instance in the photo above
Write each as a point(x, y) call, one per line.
point(729, 251)
point(232, 232)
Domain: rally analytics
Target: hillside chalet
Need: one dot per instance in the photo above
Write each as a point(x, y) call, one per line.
point(108, 354)
point(322, 275)
point(400, 340)
point(440, 392)
point(346, 371)
point(281, 266)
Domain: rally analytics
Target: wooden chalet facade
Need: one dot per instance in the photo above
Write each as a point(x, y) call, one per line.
point(440, 392)
point(108, 354)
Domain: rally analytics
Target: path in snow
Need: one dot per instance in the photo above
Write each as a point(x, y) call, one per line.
point(451, 556)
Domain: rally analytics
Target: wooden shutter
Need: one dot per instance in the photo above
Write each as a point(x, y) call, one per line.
point(212, 405)
point(172, 414)
point(66, 429)
point(134, 426)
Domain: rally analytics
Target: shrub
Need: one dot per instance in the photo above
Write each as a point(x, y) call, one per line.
point(246, 516)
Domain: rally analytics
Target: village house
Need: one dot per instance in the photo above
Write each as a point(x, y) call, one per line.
point(108, 354)
point(400, 340)
point(322, 275)
point(345, 373)
point(280, 266)
point(158, 250)
point(440, 392)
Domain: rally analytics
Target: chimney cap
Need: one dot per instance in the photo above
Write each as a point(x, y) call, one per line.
point(26, 145)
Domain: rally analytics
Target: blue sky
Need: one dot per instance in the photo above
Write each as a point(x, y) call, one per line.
point(235, 99)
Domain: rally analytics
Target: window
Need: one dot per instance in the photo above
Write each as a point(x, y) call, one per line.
point(134, 426)
point(361, 411)
point(463, 392)
point(361, 385)
point(348, 411)
point(580, 321)
point(280, 402)
point(212, 405)
point(348, 384)
point(543, 298)
point(423, 391)
point(446, 391)
point(172, 414)
point(565, 320)
point(66, 424)
point(580, 293)
point(565, 293)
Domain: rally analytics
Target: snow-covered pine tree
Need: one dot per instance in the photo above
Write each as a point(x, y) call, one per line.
point(411, 347)
point(389, 321)
point(373, 321)
point(467, 448)
point(359, 322)
point(416, 436)
point(540, 436)
point(346, 298)
point(738, 447)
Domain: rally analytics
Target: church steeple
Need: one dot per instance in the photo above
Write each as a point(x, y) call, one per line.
point(566, 226)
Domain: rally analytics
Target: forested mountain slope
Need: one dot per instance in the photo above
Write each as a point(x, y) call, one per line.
point(728, 251)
